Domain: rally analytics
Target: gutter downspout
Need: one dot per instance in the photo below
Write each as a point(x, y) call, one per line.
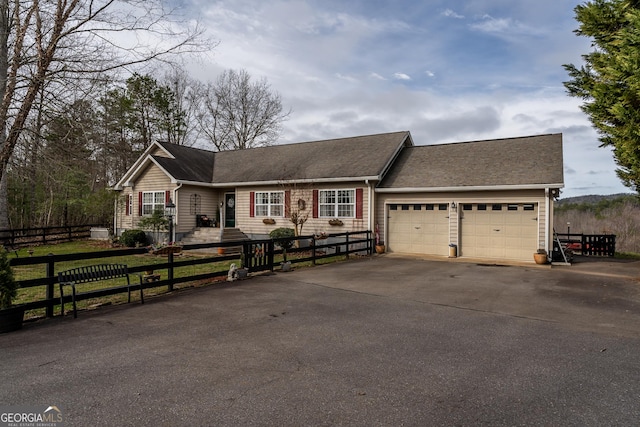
point(546, 219)
point(115, 216)
point(176, 202)
point(371, 207)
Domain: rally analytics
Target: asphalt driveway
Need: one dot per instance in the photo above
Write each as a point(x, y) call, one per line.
point(382, 341)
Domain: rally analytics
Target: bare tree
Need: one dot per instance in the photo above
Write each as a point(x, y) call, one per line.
point(42, 42)
point(236, 114)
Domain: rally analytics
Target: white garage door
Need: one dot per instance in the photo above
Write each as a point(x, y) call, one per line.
point(419, 228)
point(501, 231)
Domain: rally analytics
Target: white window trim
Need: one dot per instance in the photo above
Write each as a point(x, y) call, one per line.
point(269, 205)
point(154, 206)
point(336, 205)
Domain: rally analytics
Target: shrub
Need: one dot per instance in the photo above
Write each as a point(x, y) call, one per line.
point(8, 286)
point(283, 237)
point(133, 238)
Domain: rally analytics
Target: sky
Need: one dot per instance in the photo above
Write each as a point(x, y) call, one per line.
point(445, 70)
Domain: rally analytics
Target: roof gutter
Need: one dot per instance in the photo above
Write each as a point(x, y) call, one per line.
point(472, 188)
point(294, 181)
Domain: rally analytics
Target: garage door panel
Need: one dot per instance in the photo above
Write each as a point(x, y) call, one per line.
point(498, 231)
point(418, 229)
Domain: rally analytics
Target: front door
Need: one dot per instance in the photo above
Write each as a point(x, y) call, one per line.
point(230, 210)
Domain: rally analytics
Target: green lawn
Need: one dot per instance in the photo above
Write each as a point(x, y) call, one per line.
point(39, 271)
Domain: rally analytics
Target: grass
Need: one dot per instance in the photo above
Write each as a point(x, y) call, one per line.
point(39, 271)
point(627, 255)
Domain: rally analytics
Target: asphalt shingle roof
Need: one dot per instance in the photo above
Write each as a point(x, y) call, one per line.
point(361, 156)
point(190, 164)
point(532, 160)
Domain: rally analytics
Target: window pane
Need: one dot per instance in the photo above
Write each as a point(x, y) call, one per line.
point(276, 198)
point(262, 210)
point(345, 210)
point(159, 198)
point(276, 210)
point(262, 198)
point(345, 196)
point(327, 211)
point(327, 196)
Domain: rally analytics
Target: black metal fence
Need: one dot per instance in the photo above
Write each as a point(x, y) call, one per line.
point(257, 255)
point(13, 238)
point(589, 244)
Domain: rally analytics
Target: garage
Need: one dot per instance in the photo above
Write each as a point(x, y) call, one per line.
point(498, 230)
point(419, 228)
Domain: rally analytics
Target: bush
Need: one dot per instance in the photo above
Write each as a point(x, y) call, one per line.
point(283, 237)
point(133, 238)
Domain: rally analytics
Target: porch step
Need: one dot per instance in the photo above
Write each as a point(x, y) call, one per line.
point(202, 235)
point(212, 235)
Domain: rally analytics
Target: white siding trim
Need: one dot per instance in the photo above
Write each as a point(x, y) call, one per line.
point(470, 188)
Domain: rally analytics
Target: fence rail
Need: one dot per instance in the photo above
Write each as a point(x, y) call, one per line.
point(13, 238)
point(258, 255)
point(590, 244)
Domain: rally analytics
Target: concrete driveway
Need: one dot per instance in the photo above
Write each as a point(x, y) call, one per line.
point(384, 341)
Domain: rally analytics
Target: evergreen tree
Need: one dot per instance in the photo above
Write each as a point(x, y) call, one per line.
point(609, 81)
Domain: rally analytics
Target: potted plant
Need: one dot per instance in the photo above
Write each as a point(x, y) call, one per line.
point(283, 237)
point(335, 222)
point(379, 243)
point(10, 316)
point(540, 257)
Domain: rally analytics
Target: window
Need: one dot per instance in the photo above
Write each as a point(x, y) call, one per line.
point(496, 207)
point(528, 207)
point(467, 207)
point(269, 203)
point(512, 207)
point(337, 203)
point(443, 207)
point(152, 201)
point(482, 207)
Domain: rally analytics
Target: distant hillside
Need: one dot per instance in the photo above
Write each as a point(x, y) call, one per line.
point(592, 199)
point(617, 214)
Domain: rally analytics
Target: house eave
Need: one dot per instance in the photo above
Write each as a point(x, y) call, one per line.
point(295, 181)
point(135, 169)
point(469, 188)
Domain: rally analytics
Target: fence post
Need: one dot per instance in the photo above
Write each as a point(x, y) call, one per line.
point(170, 270)
point(51, 275)
point(313, 249)
point(346, 241)
point(270, 249)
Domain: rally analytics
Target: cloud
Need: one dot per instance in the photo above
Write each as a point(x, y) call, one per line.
point(451, 14)
point(401, 76)
point(488, 24)
point(483, 79)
